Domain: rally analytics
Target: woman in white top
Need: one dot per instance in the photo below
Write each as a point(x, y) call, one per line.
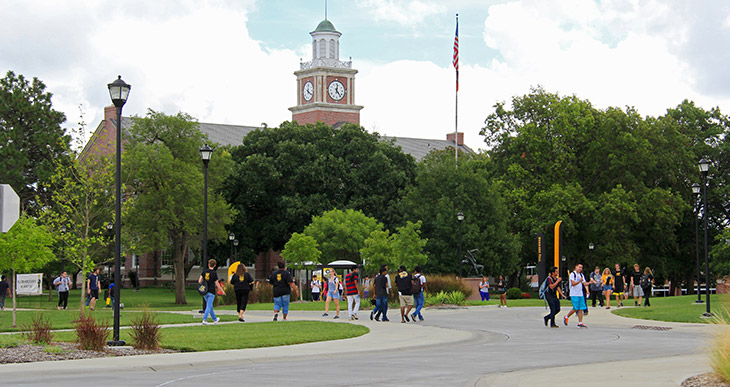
point(484, 289)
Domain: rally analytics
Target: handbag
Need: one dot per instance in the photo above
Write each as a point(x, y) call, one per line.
point(203, 288)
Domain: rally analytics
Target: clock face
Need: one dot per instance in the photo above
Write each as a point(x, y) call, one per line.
point(336, 90)
point(308, 91)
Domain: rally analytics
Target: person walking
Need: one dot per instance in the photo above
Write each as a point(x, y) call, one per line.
point(595, 288)
point(92, 288)
point(283, 285)
point(4, 290)
point(333, 293)
point(210, 277)
point(404, 283)
point(420, 292)
point(242, 286)
point(484, 289)
point(647, 281)
point(619, 285)
point(607, 285)
point(316, 286)
point(578, 284)
point(352, 290)
point(62, 284)
point(502, 290)
point(552, 296)
point(367, 283)
point(381, 295)
point(636, 288)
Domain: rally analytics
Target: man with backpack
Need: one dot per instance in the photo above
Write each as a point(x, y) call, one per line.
point(381, 295)
point(420, 291)
point(404, 282)
point(577, 284)
point(550, 290)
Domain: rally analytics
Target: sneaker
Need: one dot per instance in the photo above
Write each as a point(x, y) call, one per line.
point(352, 318)
point(546, 320)
point(240, 319)
point(378, 319)
point(324, 315)
point(413, 317)
point(386, 320)
point(205, 322)
point(580, 325)
point(201, 311)
point(336, 317)
point(407, 319)
point(420, 319)
point(217, 319)
point(554, 326)
point(565, 320)
point(371, 315)
point(276, 317)
point(355, 317)
point(636, 303)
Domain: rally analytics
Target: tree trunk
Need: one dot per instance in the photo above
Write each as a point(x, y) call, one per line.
point(13, 295)
point(83, 292)
point(180, 246)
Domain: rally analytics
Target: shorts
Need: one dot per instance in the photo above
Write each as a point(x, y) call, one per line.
point(333, 295)
point(617, 293)
point(405, 300)
point(579, 302)
point(315, 296)
point(607, 287)
point(282, 303)
point(638, 291)
point(94, 293)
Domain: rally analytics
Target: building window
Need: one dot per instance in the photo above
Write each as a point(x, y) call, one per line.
point(166, 258)
point(322, 48)
point(333, 49)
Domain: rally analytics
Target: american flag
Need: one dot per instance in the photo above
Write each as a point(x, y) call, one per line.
point(456, 52)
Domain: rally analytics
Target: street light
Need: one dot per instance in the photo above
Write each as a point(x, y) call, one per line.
point(590, 251)
point(704, 167)
point(118, 91)
point(231, 237)
point(235, 249)
point(696, 189)
point(460, 218)
point(205, 153)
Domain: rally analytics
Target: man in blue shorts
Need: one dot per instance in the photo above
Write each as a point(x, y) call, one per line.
point(577, 294)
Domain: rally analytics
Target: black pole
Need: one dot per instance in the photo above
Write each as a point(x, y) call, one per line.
point(205, 212)
point(707, 263)
point(697, 251)
point(230, 261)
point(460, 249)
point(118, 231)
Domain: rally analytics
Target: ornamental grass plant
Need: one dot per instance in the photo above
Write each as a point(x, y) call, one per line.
point(90, 334)
point(38, 331)
point(145, 332)
point(720, 345)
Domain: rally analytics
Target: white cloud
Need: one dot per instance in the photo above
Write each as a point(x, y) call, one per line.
point(408, 13)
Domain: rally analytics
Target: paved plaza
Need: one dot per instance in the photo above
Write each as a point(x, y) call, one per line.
point(478, 346)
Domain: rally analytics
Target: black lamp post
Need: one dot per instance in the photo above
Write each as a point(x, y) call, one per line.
point(231, 238)
point(235, 249)
point(704, 167)
point(591, 246)
point(460, 218)
point(696, 189)
point(118, 91)
point(205, 153)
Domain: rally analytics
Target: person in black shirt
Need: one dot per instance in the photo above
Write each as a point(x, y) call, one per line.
point(552, 291)
point(211, 278)
point(636, 285)
point(646, 282)
point(283, 284)
point(381, 295)
point(4, 290)
point(242, 285)
point(619, 285)
point(404, 282)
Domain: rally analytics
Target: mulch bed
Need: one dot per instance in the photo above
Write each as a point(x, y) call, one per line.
point(26, 353)
point(710, 379)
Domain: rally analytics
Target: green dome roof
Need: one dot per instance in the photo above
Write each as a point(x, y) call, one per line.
point(325, 26)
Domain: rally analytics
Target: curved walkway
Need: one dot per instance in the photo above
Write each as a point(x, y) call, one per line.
point(476, 346)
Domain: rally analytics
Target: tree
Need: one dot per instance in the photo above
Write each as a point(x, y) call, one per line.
point(79, 210)
point(286, 175)
point(163, 169)
point(441, 191)
point(25, 247)
point(300, 249)
point(341, 234)
point(32, 137)
point(404, 247)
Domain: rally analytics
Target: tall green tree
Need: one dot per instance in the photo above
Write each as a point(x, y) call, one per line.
point(404, 247)
point(164, 179)
point(32, 137)
point(286, 175)
point(341, 234)
point(25, 247)
point(441, 191)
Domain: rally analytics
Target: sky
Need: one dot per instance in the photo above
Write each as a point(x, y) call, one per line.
point(232, 61)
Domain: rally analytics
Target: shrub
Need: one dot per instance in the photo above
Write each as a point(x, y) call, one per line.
point(228, 299)
point(264, 292)
point(447, 283)
point(456, 298)
point(39, 330)
point(720, 349)
point(440, 298)
point(90, 334)
point(10, 341)
point(145, 332)
point(513, 294)
point(53, 349)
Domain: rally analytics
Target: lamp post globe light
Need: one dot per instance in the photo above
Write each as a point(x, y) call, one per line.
point(235, 250)
point(460, 218)
point(205, 153)
point(591, 246)
point(704, 167)
point(118, 91)
point(696, 190)
point(231, 238)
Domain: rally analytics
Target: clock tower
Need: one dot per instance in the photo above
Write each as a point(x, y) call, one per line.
point(326, 85)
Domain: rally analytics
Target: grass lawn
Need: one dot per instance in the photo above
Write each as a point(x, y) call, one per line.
point(248, 335)
point(676, 309)
point(63, 319)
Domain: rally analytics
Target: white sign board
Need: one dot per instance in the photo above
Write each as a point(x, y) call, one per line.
point(9, 207)
point(29, 284)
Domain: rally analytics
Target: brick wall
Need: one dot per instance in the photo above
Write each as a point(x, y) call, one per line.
point(328, 117)
point(459, 137)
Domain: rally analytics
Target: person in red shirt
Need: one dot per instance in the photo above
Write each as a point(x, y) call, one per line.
point(352, 290)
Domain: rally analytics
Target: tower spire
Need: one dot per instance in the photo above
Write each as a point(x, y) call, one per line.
point(325, 9)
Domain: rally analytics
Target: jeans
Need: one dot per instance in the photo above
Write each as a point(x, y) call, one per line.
point(2, 301)
point(281, 303)
point(209, 298)
point(554, 305)
point(419, 300)
point(484, 295)
point(381, 306)
point(353, 305)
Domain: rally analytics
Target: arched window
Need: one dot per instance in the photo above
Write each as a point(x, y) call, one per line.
point(322, 48)
point(333, 49)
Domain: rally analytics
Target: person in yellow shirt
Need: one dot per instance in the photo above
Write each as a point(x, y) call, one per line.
point(607, 281)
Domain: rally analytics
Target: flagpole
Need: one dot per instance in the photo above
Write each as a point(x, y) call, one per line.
point(456, 94)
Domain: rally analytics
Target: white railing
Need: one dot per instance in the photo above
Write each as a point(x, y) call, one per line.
point(331, 63)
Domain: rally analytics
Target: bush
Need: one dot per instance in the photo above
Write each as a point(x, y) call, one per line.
point(513, 294)
point(440, 298)
point(446, 283)
point(228, 299)
point(264, 292)
point(89, 334)
point(145, 332)
point(39, 330)
point(720, 349)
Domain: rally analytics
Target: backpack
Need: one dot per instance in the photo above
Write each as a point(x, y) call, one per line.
point(203, 288)
point(543, 288)
point(416, 287)
point(645, 282)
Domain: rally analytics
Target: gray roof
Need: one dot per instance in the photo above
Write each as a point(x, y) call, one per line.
point(420, 147)
point(222, 134)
